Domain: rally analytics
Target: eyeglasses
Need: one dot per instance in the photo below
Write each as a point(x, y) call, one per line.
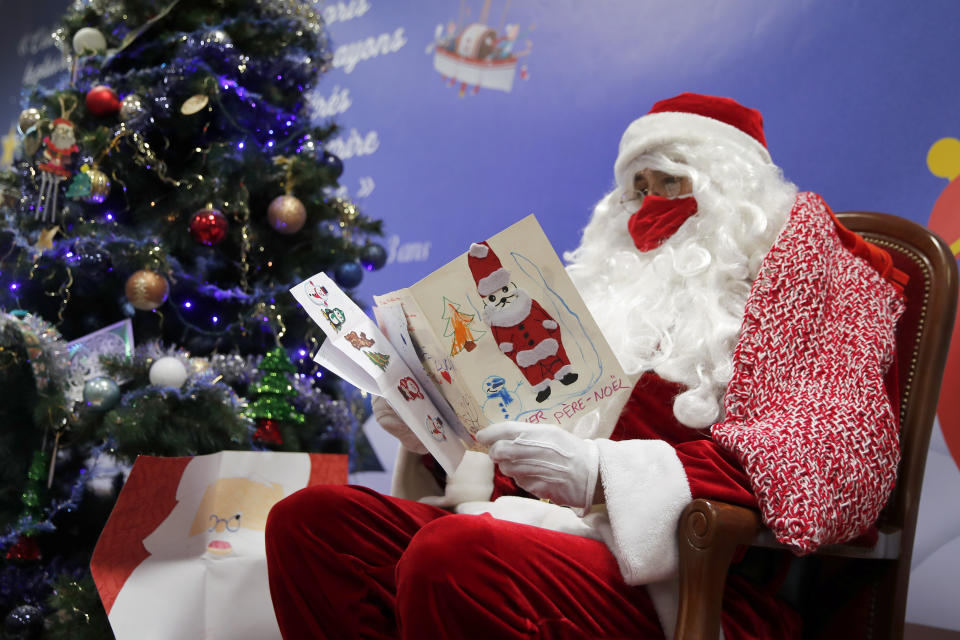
point(631, 200)
point(657, 182)
point(231, 524)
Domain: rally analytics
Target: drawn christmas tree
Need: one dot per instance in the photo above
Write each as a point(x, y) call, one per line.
point(379, 359)
point(458, 327)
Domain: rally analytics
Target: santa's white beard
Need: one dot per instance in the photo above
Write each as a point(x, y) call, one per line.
point(677, 310)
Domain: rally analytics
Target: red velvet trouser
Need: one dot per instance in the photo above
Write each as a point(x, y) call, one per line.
point(347, 562)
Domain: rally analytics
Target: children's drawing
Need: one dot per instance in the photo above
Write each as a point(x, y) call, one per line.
point(335, 317)
point(523, 329)
point(436, 428)
point(379, 359)
point(458, 327)
point(501, 403)
point(359, 341)
point(442, 367)
point(316, 293)
point(409, 389)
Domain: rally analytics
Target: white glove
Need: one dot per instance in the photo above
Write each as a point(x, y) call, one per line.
point(546, 461)
point(395, 426)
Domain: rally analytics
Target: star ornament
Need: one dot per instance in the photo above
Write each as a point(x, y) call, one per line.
point(46, 239)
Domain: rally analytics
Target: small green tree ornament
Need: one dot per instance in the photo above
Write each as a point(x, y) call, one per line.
point(270, 405)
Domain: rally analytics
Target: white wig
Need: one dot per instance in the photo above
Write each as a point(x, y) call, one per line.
point(677, 309)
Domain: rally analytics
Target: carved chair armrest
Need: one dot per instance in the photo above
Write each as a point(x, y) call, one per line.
point(708, 535)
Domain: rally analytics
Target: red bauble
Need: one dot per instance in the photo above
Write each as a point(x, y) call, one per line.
point(267, 433)
point(24, 550)
point(208, 226)
point(102, 101)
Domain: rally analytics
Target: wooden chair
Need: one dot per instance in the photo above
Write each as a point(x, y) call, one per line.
point(710, 532)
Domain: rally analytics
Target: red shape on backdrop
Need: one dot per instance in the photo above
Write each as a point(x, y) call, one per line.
point(102, 101)
point(267, 433)
point(25, 549)
point(945, 221)
point(208, 226)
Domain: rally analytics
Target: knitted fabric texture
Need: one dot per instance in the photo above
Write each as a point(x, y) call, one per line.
point(807, 413)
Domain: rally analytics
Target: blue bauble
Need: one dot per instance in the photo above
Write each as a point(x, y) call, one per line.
point(23, 622)
point(373, 256)
point(101, 393)
point(348, 274)
point(333, 163)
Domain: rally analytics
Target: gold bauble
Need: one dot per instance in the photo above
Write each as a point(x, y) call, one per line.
point(99, 186)
point(29, 117)
point(146, 290)
point(286, 214)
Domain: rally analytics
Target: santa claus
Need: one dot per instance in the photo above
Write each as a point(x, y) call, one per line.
point(759, 330)
point(523, 329)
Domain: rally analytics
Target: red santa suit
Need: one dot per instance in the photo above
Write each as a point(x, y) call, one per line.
point(537, 569)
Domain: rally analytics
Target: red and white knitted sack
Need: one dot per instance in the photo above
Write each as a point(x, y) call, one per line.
point(807, 414)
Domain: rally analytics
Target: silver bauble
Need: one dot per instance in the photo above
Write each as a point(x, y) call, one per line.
point(101, 393)
point(131, 107)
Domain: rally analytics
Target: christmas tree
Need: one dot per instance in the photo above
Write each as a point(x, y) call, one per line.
point(174, 180)
point(270, 402)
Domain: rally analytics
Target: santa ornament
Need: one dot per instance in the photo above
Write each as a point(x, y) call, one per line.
point(524, 331)
point(58, 151)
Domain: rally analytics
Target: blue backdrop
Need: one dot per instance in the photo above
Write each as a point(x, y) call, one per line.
point(854, 95)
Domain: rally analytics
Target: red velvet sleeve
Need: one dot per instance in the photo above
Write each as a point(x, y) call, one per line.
point(712, 472)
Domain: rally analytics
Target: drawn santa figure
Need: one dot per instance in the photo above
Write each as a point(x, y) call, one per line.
point(524, 331)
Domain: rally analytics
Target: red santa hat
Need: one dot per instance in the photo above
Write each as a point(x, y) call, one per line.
point(695, 118)
point(487, 271)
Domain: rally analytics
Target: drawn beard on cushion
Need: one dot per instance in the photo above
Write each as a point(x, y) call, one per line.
point(208, 562)
point(676, 310)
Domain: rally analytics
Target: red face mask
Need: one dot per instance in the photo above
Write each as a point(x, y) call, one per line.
point(658, 219)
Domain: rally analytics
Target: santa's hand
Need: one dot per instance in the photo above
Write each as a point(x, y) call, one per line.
point(545, 460)
point(395, 426)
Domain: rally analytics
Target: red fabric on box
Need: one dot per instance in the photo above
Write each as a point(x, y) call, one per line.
point(147, 497)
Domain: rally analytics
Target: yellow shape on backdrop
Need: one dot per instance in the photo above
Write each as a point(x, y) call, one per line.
point(9, 142)
point(944, 158)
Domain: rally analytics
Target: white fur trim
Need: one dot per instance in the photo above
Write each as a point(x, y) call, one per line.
point(655, 129)
point(550, 325)
point(494, 281)
point(543, 349)
point(506, 347)
point(564, 370)
point(511, 315)
point(478, 250)
point(646, 489)
point(539, 514)
point(472, 481)
point(540, 386)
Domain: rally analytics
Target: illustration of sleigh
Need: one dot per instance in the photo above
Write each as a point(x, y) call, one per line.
point(479, 57)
